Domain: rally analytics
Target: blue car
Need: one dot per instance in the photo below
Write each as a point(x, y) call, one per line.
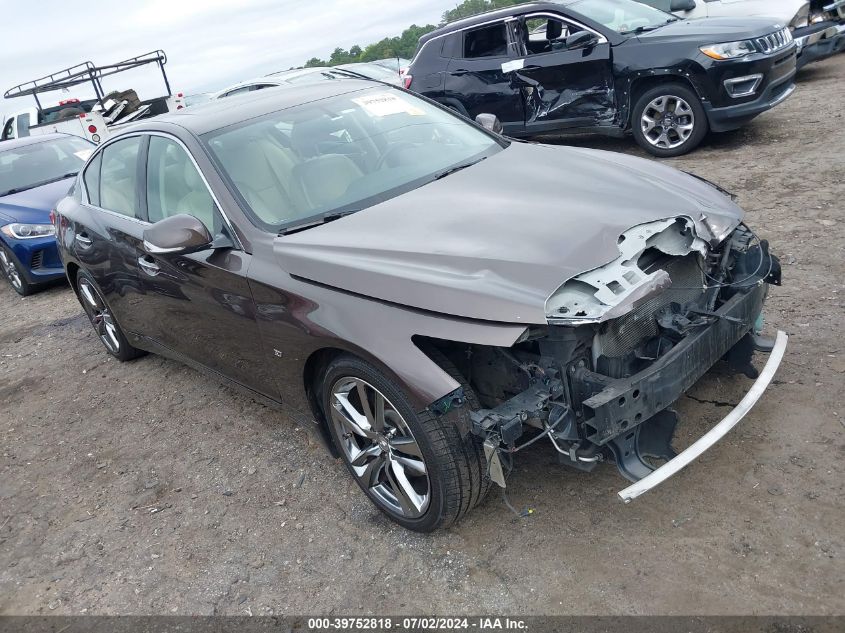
point(35, 173)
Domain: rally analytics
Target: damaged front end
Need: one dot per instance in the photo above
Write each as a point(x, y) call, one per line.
point(623, 342)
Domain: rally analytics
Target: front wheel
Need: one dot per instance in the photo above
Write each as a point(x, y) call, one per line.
point(415, 467)
point(101, 318)
point(669, 120)
point(13, 273)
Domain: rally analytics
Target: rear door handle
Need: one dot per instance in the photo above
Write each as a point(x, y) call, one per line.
point(458, 73)
point(148, 266)
point(83, 240)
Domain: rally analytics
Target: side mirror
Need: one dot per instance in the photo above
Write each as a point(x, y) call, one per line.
point(581, 39)
point(177, 234)
point(682, 5)
point(489, 122)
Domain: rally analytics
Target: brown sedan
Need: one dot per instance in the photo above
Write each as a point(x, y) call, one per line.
point(435, 296)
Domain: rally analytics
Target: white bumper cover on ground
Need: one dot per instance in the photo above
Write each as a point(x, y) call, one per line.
point(717, 432)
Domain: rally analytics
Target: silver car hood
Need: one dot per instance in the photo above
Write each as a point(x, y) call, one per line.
point(497, 240)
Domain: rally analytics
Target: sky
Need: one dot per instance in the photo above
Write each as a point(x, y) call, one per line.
point(210, 44)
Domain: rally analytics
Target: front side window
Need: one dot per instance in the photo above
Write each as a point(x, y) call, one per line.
point(119, 177)
point(543, 34)
point(342, 154)
point(36, 164)
point(622, 16)
point(490, 41)
point(174, 186)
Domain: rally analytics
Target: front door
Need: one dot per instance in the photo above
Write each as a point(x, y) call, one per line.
point(480, 77)
point(199, 304)
point(563, 87)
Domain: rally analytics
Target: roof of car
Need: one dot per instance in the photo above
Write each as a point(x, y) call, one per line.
point(278, 78)
point(487, 16)
point(221, 113)
point(30, 140)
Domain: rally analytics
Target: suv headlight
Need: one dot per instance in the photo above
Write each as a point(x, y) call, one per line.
point(729, 50)
point(28, 231)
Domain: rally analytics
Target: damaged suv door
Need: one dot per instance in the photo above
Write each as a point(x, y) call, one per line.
point(482, 67)
point(566, 75)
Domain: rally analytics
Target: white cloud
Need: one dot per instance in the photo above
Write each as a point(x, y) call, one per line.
point(209, 43)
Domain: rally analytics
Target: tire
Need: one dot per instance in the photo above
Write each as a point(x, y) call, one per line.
point(676, 129)
point(130, 96)
point(11, 270)
point(100, 316)
point(415, 467)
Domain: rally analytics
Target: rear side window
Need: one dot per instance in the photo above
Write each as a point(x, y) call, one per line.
point(491, 41)
point(119, 177)
point(92, 180)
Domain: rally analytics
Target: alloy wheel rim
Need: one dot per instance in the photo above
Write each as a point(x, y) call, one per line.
point(10, 270)
point(667, 122)
point(380, 447)
point(100, 316)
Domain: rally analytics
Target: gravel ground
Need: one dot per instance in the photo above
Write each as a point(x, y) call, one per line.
point(148, 488)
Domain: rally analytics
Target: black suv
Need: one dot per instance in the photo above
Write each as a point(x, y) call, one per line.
point(609, 66)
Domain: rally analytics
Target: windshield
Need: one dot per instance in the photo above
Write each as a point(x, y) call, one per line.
point(623, 16)
point(27, 166)
point(373, 71)
point(342, 154)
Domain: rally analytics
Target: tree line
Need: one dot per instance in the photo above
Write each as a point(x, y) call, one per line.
point(405, 45)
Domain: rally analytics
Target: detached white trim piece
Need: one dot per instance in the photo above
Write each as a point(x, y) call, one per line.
point(717, 432)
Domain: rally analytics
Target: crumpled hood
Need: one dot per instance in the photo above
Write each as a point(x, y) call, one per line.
point(496, 240)
point(33, 205)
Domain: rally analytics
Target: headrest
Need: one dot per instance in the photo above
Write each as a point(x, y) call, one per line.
point(554, 30)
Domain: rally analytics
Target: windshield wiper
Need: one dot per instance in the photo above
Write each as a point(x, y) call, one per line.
point(645, 29)
point(37, 184)
point(318, 221)
point(452, 170)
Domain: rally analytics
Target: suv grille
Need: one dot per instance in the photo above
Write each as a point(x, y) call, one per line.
point(775, 42)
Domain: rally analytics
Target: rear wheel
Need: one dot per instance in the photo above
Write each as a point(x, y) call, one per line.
point(102, 320)
point(415, 467)
point(12, 272)
point(669, 120)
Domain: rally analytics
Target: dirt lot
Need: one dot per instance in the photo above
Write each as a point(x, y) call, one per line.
point(148, 488)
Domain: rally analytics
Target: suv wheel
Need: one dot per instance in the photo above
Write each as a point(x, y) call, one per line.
point(102, 319)
point(415, 467)
point(10, 269)
point(668, 120)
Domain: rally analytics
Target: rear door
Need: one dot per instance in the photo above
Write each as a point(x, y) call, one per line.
point(107, 237)
point(199, 304)
point(562, 87)
point(480, 76)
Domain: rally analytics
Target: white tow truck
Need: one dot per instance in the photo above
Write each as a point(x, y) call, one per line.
point(94, 119)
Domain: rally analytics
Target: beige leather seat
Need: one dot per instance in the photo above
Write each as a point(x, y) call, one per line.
point(326, 179)
point(198, 201)
point(263, 171)
point(115, 196)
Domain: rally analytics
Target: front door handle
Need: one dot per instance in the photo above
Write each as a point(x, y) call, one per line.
point(458, 73)
point(83, 240)
point(148, 266)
